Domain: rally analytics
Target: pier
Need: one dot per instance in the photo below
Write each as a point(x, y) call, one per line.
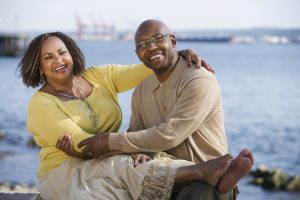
point(12, 45)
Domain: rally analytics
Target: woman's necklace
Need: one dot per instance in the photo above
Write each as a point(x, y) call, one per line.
point(63, 94)
point(84, 104)
point(70, 96)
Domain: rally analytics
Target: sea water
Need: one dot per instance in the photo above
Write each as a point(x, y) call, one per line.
point(261, 99)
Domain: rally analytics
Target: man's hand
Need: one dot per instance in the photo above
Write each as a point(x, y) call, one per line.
point(96, 145)
point(191, 57)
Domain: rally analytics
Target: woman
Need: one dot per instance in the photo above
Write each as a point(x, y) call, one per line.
point(84, 102)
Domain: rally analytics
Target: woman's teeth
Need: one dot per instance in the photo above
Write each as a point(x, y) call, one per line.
point(59, 68)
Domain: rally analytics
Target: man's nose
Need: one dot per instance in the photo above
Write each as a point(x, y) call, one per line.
point(152, 45)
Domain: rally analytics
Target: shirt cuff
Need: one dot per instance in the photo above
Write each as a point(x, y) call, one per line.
point(114, 141)
point(119, 141)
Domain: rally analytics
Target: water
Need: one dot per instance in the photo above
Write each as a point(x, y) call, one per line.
point(261, 98)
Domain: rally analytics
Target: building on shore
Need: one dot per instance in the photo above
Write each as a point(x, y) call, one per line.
point(12, 44)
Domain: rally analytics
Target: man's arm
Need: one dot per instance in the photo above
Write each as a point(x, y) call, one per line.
point(195, 104)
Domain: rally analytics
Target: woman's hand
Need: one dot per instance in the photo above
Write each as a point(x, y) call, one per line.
point(139, 158)
point(66, 145)
point(191, 57)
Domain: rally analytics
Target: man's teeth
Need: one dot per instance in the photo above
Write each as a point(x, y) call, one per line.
point(154, 57)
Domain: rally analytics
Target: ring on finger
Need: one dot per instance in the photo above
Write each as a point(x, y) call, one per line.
point(90, 154)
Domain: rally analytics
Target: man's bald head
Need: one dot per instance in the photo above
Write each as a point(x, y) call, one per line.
point(156, 47)
point(150, 26)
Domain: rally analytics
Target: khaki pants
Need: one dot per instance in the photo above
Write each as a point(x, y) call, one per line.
point(202, 191)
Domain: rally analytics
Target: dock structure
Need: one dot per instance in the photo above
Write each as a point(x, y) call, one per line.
point(12, 45)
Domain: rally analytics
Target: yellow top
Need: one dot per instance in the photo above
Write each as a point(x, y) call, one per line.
point(49, 118)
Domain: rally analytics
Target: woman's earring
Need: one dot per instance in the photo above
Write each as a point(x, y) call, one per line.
point(42, 78)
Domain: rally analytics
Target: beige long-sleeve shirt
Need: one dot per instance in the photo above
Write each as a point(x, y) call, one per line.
point(182, 116)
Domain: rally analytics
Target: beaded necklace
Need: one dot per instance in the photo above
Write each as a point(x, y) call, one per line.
point(84, 104)
point(70, 96)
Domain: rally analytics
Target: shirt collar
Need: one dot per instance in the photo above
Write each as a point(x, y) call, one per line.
point(172, 79)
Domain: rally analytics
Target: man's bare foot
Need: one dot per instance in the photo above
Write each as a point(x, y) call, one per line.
point(238, 168)
point(211, 171)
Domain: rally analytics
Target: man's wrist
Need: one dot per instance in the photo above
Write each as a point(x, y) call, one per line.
point(114, 141)
point(106, 139)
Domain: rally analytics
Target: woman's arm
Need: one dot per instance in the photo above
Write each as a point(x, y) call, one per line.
point(47, 122)
point(126, 77)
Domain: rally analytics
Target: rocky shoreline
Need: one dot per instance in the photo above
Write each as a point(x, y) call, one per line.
point(6, 187)
point(268, 179)
point(17, 191)
point(275, 179)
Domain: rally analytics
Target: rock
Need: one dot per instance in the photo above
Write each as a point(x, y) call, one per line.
point(18, 192)
point(6, 187)
point(257, 181)
point(31, 143)
point(275, 179)
point(2, 135)
point(294, 184)
point(262, 171)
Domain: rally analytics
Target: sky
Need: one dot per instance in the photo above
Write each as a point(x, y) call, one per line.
point(60, 15)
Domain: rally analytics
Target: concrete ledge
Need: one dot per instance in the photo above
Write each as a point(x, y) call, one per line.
point(16, 196)
point(9, 191)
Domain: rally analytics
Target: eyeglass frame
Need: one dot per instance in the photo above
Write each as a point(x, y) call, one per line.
point(152, 40)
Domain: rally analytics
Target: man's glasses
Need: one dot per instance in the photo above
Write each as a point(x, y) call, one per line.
point(143, 44)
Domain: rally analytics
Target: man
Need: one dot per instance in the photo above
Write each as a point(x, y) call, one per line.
point(177, 110)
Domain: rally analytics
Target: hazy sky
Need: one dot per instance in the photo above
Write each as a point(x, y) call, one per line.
point(42, 15)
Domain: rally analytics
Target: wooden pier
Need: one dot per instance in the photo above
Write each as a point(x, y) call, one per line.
point(12, 45)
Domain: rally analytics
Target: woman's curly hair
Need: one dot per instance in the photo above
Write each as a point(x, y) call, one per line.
point(29, 66)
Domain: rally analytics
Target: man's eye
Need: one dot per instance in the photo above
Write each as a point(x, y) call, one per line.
point(142, 45)
point(159, 37)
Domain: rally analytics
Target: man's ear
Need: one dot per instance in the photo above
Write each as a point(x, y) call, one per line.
point(173, 40)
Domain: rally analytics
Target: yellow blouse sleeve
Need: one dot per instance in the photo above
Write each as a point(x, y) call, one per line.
point(124, 77)
point(47, 122)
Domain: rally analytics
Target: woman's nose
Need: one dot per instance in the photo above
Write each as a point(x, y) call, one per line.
point(58, 59)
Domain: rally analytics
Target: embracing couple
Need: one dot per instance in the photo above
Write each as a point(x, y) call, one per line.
point(175, 147)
